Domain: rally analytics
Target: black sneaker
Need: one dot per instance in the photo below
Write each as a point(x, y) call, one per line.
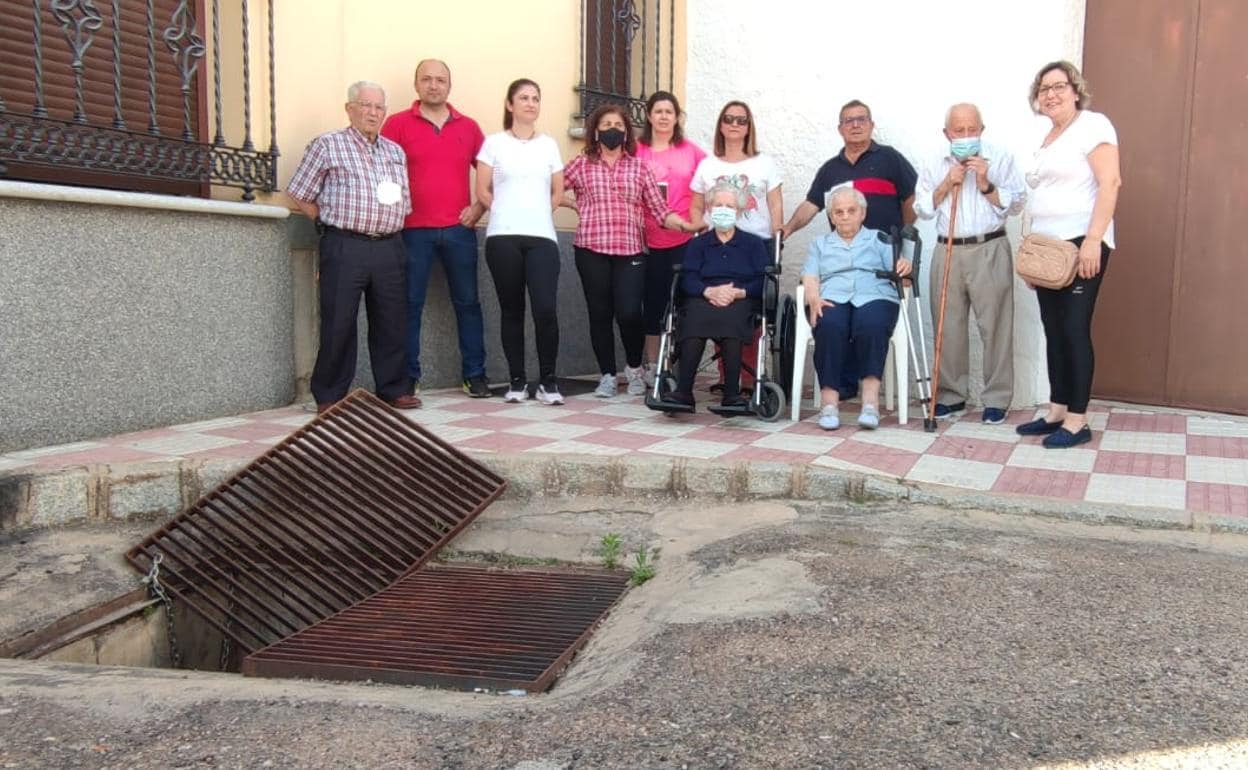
point(477, 387)
point(947, 411)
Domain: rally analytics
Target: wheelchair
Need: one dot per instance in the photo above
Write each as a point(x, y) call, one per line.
point(767, 401)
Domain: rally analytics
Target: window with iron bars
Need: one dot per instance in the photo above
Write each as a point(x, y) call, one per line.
point(627, 53)
point(116, 94)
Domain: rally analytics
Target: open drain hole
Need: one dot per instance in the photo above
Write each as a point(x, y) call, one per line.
point(460, 626)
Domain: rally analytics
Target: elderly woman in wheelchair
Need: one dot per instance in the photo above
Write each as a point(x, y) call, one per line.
point(722, 280)
point(852, 308)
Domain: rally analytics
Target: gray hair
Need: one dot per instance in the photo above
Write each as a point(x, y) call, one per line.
point(979, 117)
point(353, 90)
point(739, 196)
point(859, 198)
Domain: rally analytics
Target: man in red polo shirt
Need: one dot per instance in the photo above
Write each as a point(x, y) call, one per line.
point(441, 145)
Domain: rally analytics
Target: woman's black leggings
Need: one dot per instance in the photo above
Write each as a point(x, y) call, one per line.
point(1067, 318)
point(613, 290)
point(659, 276)
point(517, 262)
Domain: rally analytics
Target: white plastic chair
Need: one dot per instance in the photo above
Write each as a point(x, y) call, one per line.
point(896, 366)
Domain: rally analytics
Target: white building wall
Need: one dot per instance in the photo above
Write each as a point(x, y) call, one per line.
point(795, 62)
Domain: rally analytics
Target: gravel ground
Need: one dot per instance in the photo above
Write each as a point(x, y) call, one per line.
point(772, 637)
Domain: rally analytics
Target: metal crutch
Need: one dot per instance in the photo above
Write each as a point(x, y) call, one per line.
point(917, 346)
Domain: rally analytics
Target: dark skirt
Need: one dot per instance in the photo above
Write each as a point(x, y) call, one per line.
point(703, 320)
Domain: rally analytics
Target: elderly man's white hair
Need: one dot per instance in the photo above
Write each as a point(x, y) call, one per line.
point(979, 117)
point(353, 90)
point(845, 189)
point(739, 195)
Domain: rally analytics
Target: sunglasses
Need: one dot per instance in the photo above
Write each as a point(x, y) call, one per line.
point(736, 120)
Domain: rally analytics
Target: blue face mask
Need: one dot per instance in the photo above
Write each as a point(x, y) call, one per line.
point(964, 147)
point(723, 217)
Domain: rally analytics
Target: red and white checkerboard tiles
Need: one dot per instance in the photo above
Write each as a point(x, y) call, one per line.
point(1138, 456)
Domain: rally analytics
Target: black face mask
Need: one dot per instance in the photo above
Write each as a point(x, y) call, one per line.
point(611, 138)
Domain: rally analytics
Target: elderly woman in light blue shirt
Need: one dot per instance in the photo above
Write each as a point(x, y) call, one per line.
point(852, 310)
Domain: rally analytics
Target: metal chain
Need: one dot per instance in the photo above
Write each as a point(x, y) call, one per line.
point(152, 581)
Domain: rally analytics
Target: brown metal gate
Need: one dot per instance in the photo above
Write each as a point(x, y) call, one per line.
point(1172, 323)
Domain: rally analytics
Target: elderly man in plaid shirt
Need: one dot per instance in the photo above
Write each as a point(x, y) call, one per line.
point(353, 184)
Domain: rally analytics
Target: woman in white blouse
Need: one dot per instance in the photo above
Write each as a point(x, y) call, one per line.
point(520, 179)
point(1073, 180)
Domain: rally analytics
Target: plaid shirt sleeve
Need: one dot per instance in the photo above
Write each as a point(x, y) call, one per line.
point(306, 184)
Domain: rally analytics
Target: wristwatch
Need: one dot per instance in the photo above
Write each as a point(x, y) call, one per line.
point(991, 187)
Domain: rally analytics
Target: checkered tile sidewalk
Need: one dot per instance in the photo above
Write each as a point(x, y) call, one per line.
point(1138, 456)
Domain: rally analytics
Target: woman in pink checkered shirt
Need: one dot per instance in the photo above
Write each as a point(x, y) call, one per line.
point(614, 190)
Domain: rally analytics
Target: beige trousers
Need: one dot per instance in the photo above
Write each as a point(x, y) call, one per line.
point(981, 279)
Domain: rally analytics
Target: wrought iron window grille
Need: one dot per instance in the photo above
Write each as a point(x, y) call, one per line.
point(118, 98)
point(628, 51)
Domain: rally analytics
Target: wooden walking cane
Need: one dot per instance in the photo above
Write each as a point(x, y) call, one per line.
point(944, 293)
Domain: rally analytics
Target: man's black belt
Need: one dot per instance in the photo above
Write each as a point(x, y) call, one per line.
point(973, 238)
point(353, 234)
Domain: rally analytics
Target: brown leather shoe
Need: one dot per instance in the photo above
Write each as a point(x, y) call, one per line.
point(406, 402)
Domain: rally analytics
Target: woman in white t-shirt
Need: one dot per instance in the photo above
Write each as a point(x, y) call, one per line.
point(1073, 180)
point(520, 179)
point(738, 162)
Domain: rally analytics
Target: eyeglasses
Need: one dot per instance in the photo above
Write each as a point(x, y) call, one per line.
point(857, 120)
point(369, 106)
point(736, 120)
point(1057, 89)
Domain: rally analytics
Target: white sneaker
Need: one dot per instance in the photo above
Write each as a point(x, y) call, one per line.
point(829, 418)
point(551, 397)
point(648, 373)
point(636, 380)
point(607, 387)
point(516, 393)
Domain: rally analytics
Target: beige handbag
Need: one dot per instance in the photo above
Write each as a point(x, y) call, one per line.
point(1046, 262)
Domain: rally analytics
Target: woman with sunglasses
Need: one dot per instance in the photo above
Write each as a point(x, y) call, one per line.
point(738, 161)
point(673, 159)
point(614, 190)
point(1073, 183)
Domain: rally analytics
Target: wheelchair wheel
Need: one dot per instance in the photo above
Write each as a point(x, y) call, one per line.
point(786, 340)
point(771, 401)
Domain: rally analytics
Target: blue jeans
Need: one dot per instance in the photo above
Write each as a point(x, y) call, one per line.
point(456, 248)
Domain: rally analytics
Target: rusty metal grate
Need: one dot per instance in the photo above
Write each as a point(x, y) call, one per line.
point(337, 511)
point(453, 626)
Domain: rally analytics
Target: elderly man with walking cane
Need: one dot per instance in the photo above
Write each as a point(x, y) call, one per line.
point(971, 189)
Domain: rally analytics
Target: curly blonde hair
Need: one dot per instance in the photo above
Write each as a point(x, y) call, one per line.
point(1083, 97)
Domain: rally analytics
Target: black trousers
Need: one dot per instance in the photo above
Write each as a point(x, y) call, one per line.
point(691, 350)
point(517, 262)
point(350, 268)
point(1066, 315)
point(659, 285)
point(614, 286)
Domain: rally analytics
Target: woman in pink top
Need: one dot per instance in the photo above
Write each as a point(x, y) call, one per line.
point(673, 159)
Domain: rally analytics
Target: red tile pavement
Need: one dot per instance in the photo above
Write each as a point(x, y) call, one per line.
point(1066, 485)
point(628, 426)
point(1224, 499)
point(972, 449)
point(1217, 446)
point(1140, 464)
point(1151, 422)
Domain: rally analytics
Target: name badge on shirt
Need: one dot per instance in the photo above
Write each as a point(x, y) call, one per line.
point(388, 193)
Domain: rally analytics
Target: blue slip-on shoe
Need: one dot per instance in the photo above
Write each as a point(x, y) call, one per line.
point(1064, 439)
point(945, 411)
point(1037, 427)
point(993, 415)
point(869, 418)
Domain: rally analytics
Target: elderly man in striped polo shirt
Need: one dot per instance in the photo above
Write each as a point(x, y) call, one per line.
point(353, 184)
